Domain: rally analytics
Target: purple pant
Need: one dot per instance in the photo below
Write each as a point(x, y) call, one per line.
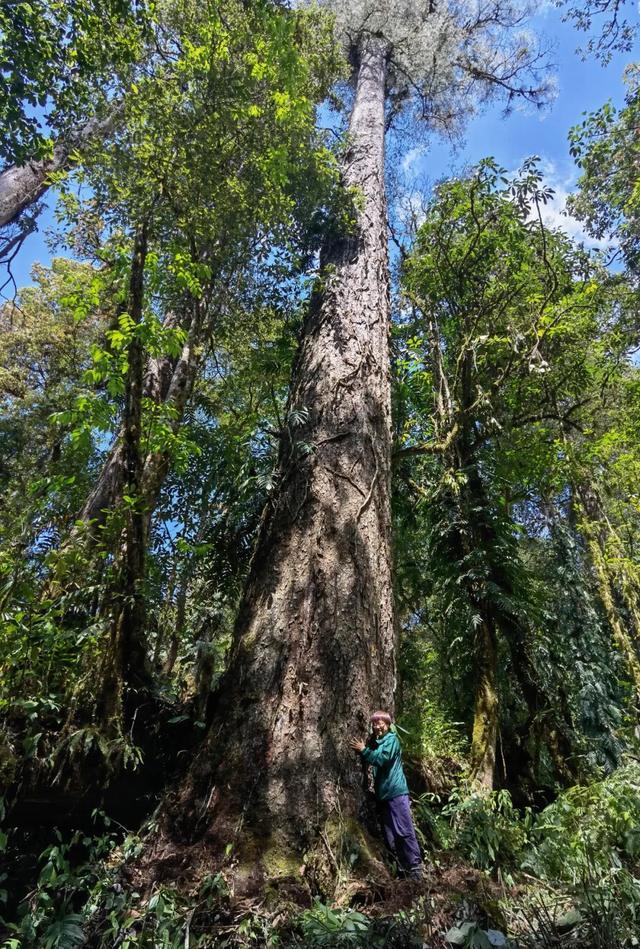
point(399, 832)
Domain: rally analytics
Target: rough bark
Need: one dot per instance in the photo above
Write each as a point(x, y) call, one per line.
point(104, 497)
point(159, 370)
point(313, 651)
point(22, 185)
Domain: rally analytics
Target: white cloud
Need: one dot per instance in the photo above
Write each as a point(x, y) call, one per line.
point(544, 7)
point(412, 157)
point(554, 214)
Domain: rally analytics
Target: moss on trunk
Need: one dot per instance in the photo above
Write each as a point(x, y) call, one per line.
point(485, 713)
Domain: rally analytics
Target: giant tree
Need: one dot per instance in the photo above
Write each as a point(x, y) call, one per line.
point(222, 192)
point(513, 324)
point(314, 642)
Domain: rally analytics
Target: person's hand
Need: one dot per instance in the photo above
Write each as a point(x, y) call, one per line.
point(356, 744)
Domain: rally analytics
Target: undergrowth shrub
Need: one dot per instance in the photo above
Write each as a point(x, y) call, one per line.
point(324, 927)
point(428, 734)
point(589, 841)
point(487, 829)
point(51, 915)
point(589, 830)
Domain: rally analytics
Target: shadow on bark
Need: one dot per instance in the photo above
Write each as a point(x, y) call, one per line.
point(262, 799)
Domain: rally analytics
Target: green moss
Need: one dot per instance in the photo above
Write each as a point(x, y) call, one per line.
point(350, 842)
point(342, 852)
point(279, 862)
point(271, 866)
point(262, 861)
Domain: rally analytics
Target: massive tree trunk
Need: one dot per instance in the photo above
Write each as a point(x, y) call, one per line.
point(314, 645)
point(23, 185)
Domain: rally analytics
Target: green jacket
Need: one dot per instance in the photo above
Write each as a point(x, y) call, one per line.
point(386, 759)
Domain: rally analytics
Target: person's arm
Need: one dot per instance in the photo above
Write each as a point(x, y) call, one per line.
point(383, 754)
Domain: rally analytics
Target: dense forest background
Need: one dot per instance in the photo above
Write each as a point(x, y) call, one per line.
point(282, 443)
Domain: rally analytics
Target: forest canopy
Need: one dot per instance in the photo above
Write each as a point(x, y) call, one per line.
point(285, 441)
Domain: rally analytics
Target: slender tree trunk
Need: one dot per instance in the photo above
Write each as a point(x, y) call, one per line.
point(23, 185)
point(486, 706)
point(177, 632)
point(159, 369)
point(104, 497)
point(165, 620)
point(594, 529)
point(125, 662)
point(167, 381)
point(485, 709)
point(482, 535)
point(621, 635)
point(314, 645)
point(176, 395)
point(108, 489)
point(478, 536)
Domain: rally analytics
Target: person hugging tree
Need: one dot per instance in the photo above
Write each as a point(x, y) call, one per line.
point(384, 754)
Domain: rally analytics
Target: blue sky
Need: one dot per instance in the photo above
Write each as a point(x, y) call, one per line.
point(582, 86)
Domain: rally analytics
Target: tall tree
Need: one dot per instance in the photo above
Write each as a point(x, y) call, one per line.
point(65, 69)
point(216, 172)
point(126, 655)
point(606, 149)
point(318, 604)
point(507, 313)
point(217, 201)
